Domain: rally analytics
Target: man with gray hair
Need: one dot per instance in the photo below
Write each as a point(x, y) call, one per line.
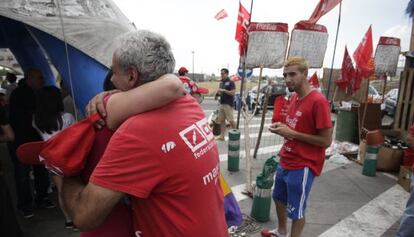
point(169, 169)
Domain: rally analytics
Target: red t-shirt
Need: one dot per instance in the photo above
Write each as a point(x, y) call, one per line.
point(306, 115)
point(280, 109)
point(168, 161)
point(119, 221)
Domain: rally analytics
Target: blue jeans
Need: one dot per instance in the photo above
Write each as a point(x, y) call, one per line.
point(407, 221)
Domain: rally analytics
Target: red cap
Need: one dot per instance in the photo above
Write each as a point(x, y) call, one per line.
point(182, 70)
point(28, 153)
point(66, 152)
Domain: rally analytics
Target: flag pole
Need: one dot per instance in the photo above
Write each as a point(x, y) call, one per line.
point(333, 57)
point(248, 189)
point(265, 102)
point(385, 75)
point(243, 58)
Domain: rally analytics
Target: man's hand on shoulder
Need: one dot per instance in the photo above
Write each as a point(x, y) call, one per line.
point(97, 105)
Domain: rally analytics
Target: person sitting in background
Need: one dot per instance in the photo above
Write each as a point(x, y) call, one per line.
point(406, 228)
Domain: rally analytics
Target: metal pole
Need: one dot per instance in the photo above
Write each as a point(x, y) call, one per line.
point(385, 75)
point(251, 11)
point(333, 57)
point(67, 60)
point(241, 92)
point(265, 102)
point(193, 65)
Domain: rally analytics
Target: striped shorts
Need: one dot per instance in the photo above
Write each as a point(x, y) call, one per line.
point(292, 188)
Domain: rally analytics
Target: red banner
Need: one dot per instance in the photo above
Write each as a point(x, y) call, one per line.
point(302, 25)
point(314, 81)
point(243, 21)
point(275, 27)
point(347, 72)
point(323, 7)
point(221, 15)
point(389, 41)
point(363, 59)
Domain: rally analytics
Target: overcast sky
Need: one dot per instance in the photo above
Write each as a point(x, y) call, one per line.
point(189, 25)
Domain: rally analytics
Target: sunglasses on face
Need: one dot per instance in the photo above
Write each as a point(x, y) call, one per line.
point(290, 74)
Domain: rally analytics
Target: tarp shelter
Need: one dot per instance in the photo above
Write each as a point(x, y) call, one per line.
point(36, 31)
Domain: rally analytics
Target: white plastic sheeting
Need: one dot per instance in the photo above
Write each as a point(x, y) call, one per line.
point(89, 25)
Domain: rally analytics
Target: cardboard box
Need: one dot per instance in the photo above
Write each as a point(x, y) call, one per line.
point(388, 159)
point(404, 178)
point(395, 133)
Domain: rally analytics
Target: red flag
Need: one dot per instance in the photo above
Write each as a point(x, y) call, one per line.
point(363, 59)
point(347, 72)
point(243, 21)
point(323, 7)
point(221, 15)
point(314, 81)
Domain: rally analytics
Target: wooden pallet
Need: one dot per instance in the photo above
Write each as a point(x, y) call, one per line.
point(404, 113)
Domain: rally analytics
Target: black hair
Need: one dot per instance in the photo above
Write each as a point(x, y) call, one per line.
point(11, 77)
point(108, 85)
point(225, 70)
point(21, 82)
point(49, 106)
